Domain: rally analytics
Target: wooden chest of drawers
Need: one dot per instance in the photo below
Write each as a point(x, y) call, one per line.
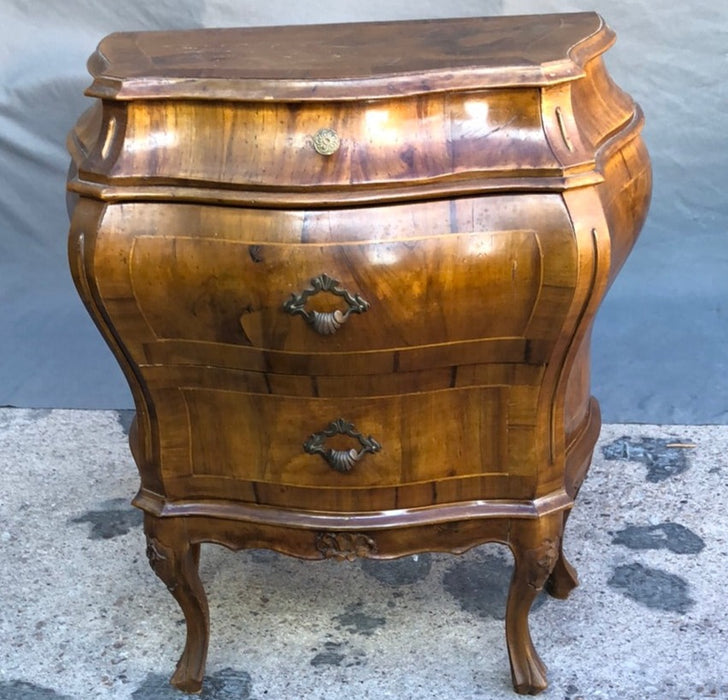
point(350, 273)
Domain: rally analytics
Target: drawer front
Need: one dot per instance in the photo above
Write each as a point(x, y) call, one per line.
point(347, 280)
point(349, 297)
point(344, 443)
point(333, 144)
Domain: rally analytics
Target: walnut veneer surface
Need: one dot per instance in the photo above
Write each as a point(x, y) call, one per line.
point(350, 273)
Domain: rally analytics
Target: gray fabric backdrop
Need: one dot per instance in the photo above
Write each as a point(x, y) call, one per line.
point(661, 336)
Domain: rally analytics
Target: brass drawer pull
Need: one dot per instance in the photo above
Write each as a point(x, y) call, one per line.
point(325, 322)
point(341, 461)
point(326, 142)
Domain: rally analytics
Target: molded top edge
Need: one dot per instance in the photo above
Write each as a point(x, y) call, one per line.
point(347, 61)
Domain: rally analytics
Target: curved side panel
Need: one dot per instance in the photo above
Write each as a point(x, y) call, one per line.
point(598, 117)
point(592, 242)
point(85, 223)
point(624, 198)
point(601, 108)
point(590, 224)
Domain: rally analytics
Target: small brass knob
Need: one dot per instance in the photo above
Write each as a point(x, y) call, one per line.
point(326, 142)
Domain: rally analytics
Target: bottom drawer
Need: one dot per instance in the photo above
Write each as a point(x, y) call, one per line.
point(351, 442)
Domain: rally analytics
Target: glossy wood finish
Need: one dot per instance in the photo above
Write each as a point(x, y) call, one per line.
point(485, 183)
point(347, 61)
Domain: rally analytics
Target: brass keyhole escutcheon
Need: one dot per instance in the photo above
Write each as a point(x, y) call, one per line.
point(326, 142)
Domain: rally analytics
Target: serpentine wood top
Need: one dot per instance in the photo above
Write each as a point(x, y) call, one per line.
point(347, 61)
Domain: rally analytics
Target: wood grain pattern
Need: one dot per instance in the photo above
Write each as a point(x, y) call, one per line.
point(420, 291)
point(486, 183)
point(415, 263)
point(232, 436)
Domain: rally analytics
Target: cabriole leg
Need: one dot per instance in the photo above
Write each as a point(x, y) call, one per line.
point(176, 562)
point(535, 545)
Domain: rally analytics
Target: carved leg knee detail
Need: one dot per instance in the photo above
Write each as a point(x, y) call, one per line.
point(533, 566)
point(178, 566)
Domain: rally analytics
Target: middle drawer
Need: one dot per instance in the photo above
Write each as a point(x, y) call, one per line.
point(338, 297)
point(277, 291)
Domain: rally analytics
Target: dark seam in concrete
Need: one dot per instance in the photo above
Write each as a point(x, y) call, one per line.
point(331, 656)
point(221, 685)
point(111, 522)
point(653, 588)
point(22, 690)
point(481, 586)
point(671, 536)
point(399, 572)
point(356, 621)
point(662, 462)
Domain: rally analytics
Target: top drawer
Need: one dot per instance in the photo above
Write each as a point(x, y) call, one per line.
point(319, 145)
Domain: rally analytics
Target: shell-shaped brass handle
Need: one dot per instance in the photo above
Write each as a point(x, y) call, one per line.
point(342, 461)
point(326, 142)
point(325, 322)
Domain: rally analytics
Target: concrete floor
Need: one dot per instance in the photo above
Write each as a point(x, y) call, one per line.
point(83, 617)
